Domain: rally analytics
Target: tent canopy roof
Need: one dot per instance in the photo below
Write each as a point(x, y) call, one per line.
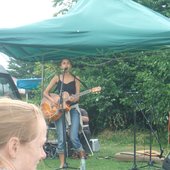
point(91, 28)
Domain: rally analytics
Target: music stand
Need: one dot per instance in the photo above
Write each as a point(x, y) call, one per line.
point(64, 124)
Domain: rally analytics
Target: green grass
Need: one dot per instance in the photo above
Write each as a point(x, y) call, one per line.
point(110, 144)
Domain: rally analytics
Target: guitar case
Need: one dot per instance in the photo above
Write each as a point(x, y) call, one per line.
point(141, 156)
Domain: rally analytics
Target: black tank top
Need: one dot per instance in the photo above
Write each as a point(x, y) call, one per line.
point(68, 87)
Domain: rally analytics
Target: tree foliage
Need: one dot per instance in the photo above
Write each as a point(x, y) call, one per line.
point(62, 6)
point(129, 78)
point(21, 69)
point(161, 6)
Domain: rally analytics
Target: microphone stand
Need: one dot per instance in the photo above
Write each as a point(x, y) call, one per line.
point(64, 123)
point(134, 133)
point(151, 162)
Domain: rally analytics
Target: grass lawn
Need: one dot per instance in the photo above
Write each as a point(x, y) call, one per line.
point(110, 144)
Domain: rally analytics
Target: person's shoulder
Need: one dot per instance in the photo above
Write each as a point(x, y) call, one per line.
point(77, 77)
point(56, 77)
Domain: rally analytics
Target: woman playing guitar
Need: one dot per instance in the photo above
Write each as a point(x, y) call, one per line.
point(71, 85)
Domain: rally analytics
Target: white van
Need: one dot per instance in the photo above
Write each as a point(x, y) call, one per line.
point(7, 85)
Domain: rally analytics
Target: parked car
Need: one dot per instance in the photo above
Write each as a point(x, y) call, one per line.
point(7, 85)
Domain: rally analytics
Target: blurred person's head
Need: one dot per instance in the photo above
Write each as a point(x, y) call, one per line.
point(22, 135)
point(66, 64)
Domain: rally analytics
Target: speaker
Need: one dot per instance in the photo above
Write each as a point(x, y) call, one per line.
point(95, 145)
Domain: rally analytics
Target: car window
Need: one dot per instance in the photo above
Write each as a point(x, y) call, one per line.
point(7, 87)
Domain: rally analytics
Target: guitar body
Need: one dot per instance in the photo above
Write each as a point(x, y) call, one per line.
point(54, 112)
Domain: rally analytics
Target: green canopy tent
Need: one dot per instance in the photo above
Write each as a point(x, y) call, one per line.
point(91, 28)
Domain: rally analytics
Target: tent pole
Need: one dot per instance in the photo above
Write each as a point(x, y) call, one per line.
point(26, 95)
point(42, 76)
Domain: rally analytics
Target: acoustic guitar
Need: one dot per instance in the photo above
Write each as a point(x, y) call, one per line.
point(52, 111)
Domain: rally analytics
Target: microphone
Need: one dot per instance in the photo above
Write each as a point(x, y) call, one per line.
point(66, 68)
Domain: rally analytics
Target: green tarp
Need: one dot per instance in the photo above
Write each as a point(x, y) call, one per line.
point(91, 28)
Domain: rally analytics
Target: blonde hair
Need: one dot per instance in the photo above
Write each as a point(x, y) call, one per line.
point(18, 119)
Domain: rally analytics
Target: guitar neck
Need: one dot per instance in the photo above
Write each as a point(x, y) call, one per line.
point(83, 93)
point(96, 89)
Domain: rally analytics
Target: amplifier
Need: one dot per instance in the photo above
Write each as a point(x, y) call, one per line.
point(95, 145)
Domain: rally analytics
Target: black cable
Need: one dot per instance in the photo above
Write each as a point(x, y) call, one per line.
point(80, 81)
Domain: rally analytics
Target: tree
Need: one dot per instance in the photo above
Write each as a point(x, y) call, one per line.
point(62, 6)
point(161, 6)
point(21, 69)
point(144, 73)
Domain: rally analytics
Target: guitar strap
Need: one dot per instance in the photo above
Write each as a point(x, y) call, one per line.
point(83, 83)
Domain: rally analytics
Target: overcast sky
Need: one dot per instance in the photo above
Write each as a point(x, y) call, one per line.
point(14, 13)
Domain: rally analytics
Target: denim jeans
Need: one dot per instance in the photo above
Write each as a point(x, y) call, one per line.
point(73, 132)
